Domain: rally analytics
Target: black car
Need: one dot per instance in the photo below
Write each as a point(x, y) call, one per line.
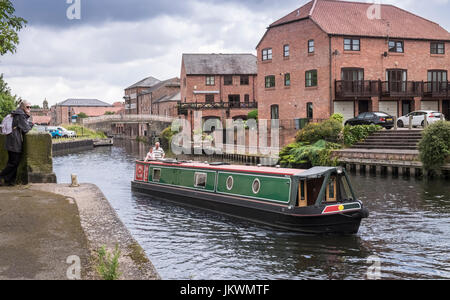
point(376, 118)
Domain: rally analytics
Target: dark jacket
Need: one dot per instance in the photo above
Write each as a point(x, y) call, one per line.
point(21, 126)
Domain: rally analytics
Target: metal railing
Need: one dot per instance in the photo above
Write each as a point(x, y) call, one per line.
point(378, 88)
point(358, 88)
point(183, 107)
point(126, 118)
point(401, 88)
point(436, 89)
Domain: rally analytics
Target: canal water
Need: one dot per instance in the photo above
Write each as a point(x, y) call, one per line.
point(407, 235)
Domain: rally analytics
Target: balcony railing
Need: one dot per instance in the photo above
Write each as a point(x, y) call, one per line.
point(183, 107)
point(359, 88)
point(436, 89)
point(378, 88)
point(401, 88)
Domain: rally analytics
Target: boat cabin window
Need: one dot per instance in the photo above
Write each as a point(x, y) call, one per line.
point(200, 180)
point(256, 186)
point(156, 176)
point(302, 200)
point(302, 190)
point(230, 182)
point(331, 189)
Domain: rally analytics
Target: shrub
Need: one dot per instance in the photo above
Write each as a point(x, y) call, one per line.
point(434, 147)
point(355, 134)
point(253, 114)
point(305, 155)
point(166, 138)
point(338, 117)
point(328, 130)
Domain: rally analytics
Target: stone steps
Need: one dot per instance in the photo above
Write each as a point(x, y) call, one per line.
point(395, 140)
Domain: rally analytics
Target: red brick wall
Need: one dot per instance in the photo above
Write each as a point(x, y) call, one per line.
point(189, 83)
point(292, 100)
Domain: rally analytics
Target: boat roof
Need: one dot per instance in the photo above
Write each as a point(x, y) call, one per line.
point(316, 172)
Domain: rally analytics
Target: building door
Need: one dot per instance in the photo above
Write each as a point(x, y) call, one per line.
point(234, 101)
point(346, 108)
point(406, 107)
point(429, 105)
point(353, 79)
point(396, 80)
point(437, 80)
point(363, 106)
point(389, 107)
point(446, 109)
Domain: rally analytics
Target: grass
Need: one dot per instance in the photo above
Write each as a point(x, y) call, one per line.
point(84, 132)
point(108, 263)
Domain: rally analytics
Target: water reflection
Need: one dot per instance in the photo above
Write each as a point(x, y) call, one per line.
point(408, 229)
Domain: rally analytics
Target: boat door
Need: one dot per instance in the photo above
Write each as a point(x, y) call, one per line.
point(309, 190)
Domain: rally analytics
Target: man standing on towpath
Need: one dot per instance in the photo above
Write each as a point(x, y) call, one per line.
point(14, 143)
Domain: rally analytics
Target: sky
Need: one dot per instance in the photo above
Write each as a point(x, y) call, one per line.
point(97, 48)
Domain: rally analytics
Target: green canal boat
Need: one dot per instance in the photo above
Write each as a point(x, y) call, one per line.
point(317, 200)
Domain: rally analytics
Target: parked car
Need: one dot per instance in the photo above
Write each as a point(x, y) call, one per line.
point(64, 132)
point(418, 118)
point(56, 134)
point(376, 118)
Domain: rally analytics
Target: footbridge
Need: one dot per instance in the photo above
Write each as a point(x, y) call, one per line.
point(108, 123)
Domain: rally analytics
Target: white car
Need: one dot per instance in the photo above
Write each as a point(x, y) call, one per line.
point(418, 118)
point(65, 133)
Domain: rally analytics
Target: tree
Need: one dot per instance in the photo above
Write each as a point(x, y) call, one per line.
point(10, 25)
point(8, 102)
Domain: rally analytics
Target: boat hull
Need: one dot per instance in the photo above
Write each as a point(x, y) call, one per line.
point(310, 220)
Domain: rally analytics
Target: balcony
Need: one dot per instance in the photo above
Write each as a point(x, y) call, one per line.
point(359, 88)
point(183, 107)
point(401, 88)
point(436, 89)
point(395, 89)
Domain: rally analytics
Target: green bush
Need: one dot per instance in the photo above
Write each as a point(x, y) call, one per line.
point(305, 155)
point(434, 147)
point(338, 117)
point(166, 138)
point(328, 130)
point(253, 115)
point(358, 133)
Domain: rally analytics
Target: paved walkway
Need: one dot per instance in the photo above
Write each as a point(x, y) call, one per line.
point(43, 227)
point(38, 232)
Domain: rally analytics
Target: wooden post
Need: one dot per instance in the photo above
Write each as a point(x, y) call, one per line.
point(410, 122)
point(425, 121)
point(395, 123)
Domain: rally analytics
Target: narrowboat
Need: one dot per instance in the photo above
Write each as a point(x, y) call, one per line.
point(316, 200)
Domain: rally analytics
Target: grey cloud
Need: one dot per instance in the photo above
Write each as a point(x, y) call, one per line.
point(53, 12)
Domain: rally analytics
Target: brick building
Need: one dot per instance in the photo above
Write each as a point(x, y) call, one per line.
point(62, 112)
point(221, 86)
point(167, 105)
point(145, 98)
point(41, 116)
point(336, 56)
